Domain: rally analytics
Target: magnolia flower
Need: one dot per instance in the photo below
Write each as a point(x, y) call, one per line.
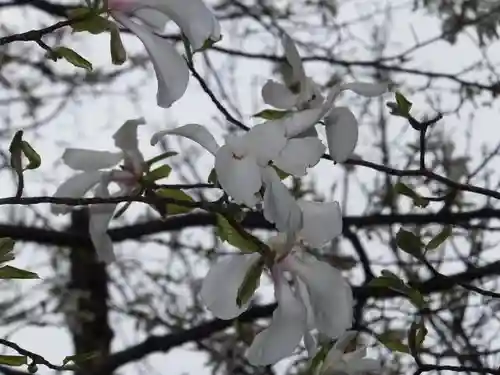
point(319, 299)
point(95, 175)
point(194, 19)
point(337, 362)
point(300, 91)
point(242, 164)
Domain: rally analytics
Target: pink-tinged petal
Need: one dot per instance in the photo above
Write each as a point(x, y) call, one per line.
point(329, 293)
point(220, 286)
point(366, 89)
point(75, 187)
point(280, 207)
point(90, 160)
point(278, 95)
point(171, 70)
point(194, 132)
point(300, 154)
point(287, 326)
point(193, 17)
point(263, 141)
point(240, 177)
point(341, 129)
point(322, 222)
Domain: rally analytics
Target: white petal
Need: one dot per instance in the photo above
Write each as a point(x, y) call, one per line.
point(171, 70)
point(310, 344)
point(300, 154)
point(264, 141)
point(345, 340)
point(194, 132)
point(330, 295)
point(90, 160)
point(100, 216)
point(301, 121)
point(363, 366)
point(283, 335)
point(193, 17)
point(341, 129)
point(334, 363)
point(153, 18)
point(126, 136)
point(280, 207)
point(355, 355)
point(366, 89)
point(75, 187)
point(221, 284)
point(278, 95)
point(293, 58)
point(322, 222)
point(239, 177)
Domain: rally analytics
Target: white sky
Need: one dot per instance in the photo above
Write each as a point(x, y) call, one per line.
point(90, 124)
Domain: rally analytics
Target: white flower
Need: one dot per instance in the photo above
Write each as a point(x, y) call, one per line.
point(320, 299)
point(94, 167)
point(337, 362)
point(300, 91)
point(194, 19)
point(242, 165)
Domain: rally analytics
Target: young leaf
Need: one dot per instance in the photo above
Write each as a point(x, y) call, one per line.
point(9, 272)
point(418, 200)
point(271, 114)
point(90, 21)
point(118, 53)
point(391, 340)
point(34, 159)
point(70, 56)
point(250, 282)
point(174, 209)
point(79, 358)
point(13, 360)
point(416, 336)
point(160, 157)
point(439, 238)
point(159, 173)
point(229, 234)
point(409, 243)
point(6, 248)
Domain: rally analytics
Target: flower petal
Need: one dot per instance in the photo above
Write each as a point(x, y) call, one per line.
point(153, 18)
point(263, 141)
point(366, 89)
point(322, 222)
point(126, 136)
point(171, 70)
point(300, 154)
point(278, 95)
point(330, 295)
point(283, 335)
point(341, 129)
point(293, 57)
point(75, 187)
point(239, 177)
point(194, 132)
point(300, 121)
point(221, 284)
point(280, 207)
point(193, 17)
point(90, 160)
point(363, 366)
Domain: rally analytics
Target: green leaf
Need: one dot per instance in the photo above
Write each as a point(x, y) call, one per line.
point(118, 52)
point(401, 107)
point(250, 282)
point(229, 234)
point(271, 114)
point(416, 336)
point(282, 175)
point(409, 243)
point(207, 44)
point(16, 152)
point(391, 281)
point(174, 209)
point(9, 272)
point(159, 173)
point(6, 248)
point(418, 200)
point(13, 360)
point(34, 159)
point(79, 358)
point(92, 22)
point(70, 56)
point(319, 358)
point(392, 341)
point(439, 238)
point(160, 157)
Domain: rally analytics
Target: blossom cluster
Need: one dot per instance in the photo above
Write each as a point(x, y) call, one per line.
point(314, 301)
